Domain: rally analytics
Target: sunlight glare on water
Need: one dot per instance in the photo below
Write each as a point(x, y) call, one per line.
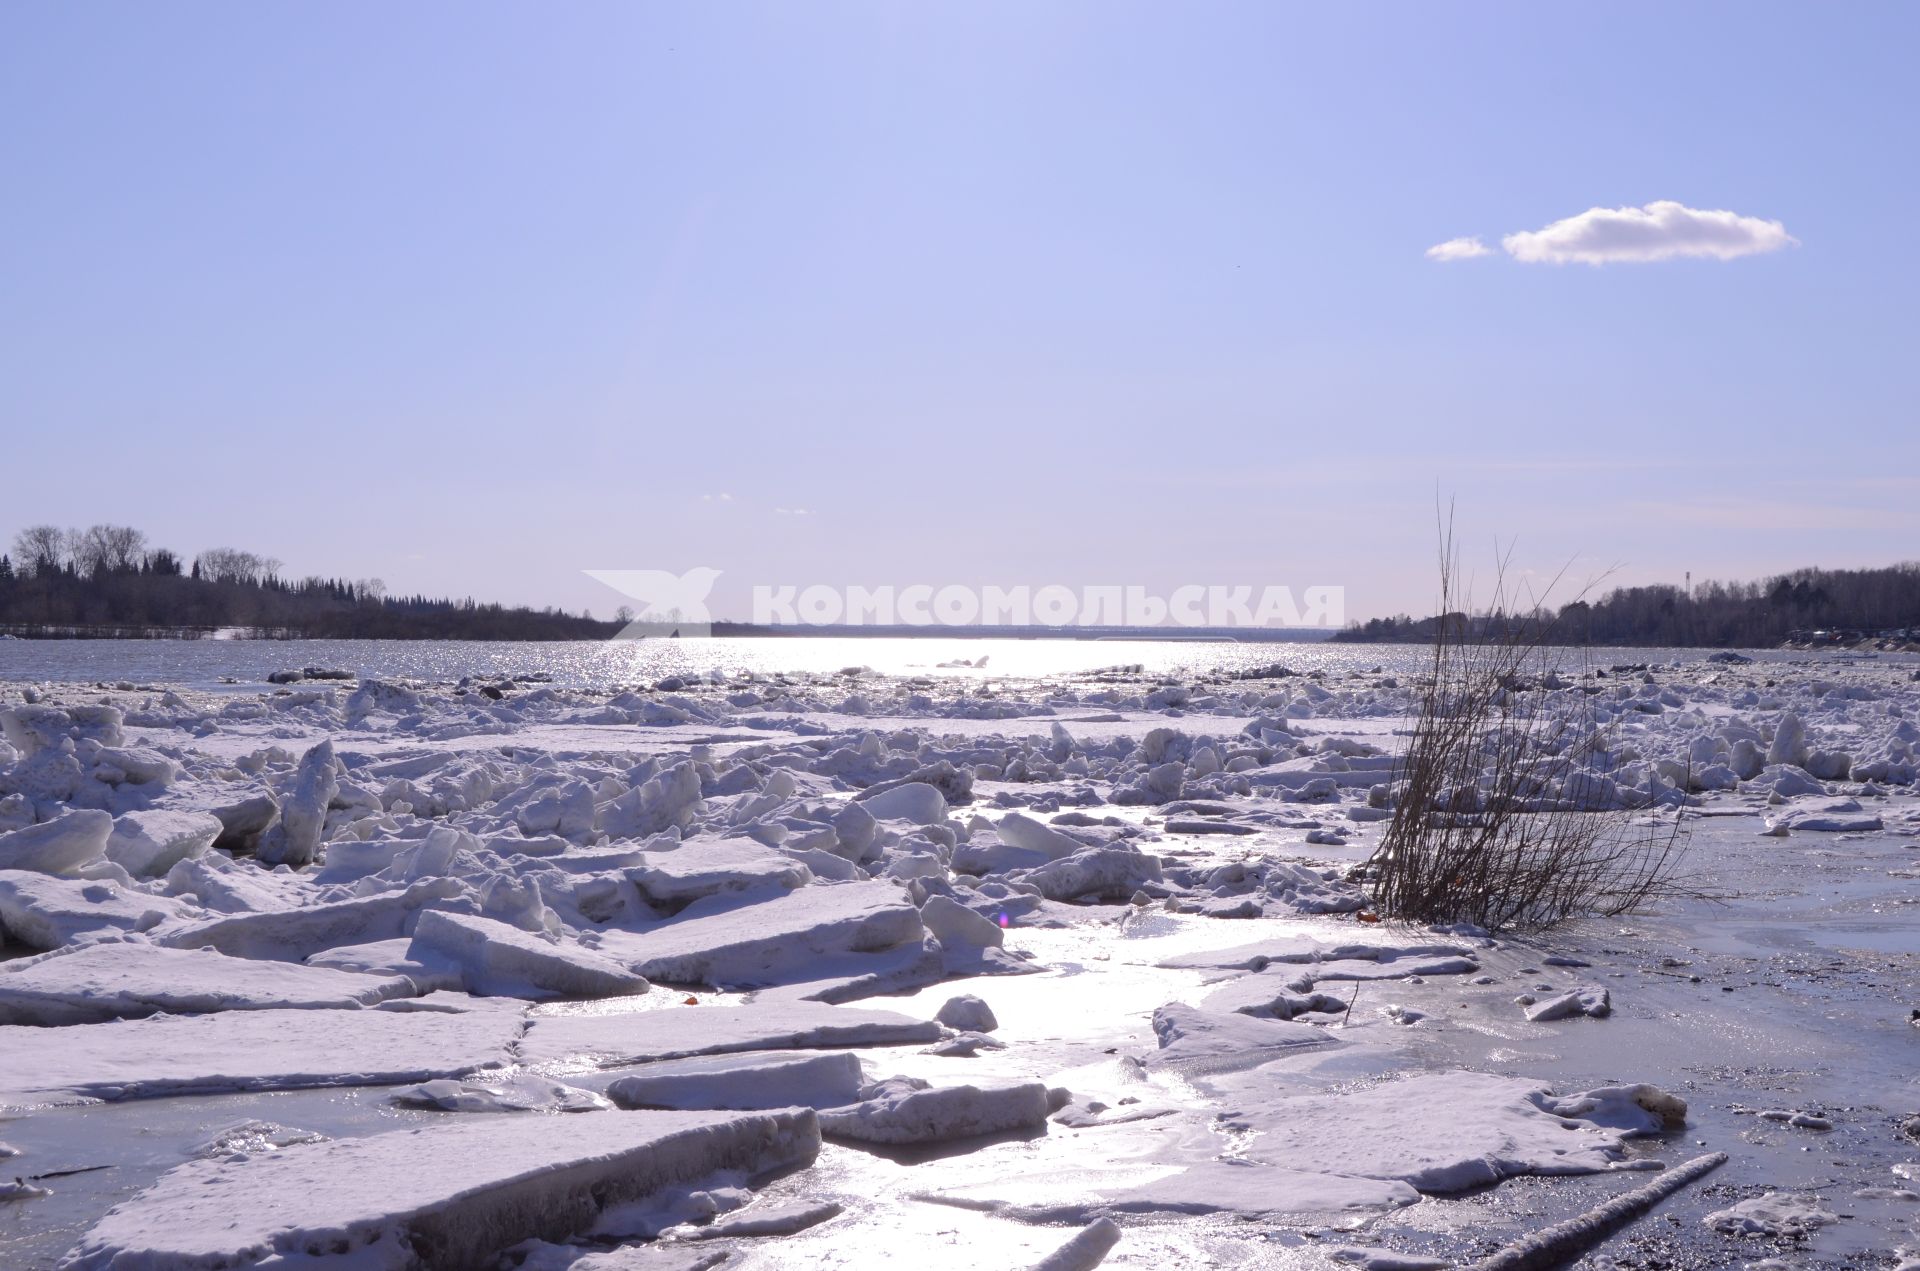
point(618, 664)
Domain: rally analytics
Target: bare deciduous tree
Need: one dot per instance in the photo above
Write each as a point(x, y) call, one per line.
point(231, 565)
point(106, 549)
point(40, 549)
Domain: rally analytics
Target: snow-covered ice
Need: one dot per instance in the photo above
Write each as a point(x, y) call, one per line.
point(1593, 1001)
point(1244, 1189)
point(939, 1114)
point(498, 960)
point(1445, 1132)
point(967, 1013)
point(372, 912)
point(618, 1040)
point(744, 941)
point(43, 911)
point(148, 844)
point(62, 845)
point(760, 1079)
point(296, 934)
point(125, 980)
point(248, 1050)
point(456, 1194)
point(1197, 1038)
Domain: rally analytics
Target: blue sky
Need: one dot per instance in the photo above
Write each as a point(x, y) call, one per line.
point(472, 298)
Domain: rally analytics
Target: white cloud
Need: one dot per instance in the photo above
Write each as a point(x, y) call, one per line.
point(1458, 249)
point(793, 512)
point(1661, 230)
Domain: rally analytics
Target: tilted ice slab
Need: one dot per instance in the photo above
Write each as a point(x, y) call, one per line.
point(450, 1195)
point(393, 957)
point(848, 977)
point(1444, 1132)
point(1022, 831)
point(221, 883)
point(722, 941)
point(126, 980)
point(707, 867)
point(774, 1079)
point(610, 1041)
point(940, 1114)
point(1243, 1188)
point(151, 843)
point(503, 961)
point(292, 935)
point(75, 838)
point(44, 912)
point(248, 1050)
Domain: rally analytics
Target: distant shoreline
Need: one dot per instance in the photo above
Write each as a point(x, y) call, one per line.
point(1861, 609)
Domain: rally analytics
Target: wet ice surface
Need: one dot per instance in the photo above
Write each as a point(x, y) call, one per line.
point(810, 866)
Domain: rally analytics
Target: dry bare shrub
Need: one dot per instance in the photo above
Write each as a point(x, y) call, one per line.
point(1505, 816)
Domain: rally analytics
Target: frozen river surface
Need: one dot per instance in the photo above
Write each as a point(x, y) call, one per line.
point(629, 971)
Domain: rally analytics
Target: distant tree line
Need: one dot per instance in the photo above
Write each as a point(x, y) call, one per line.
point(107, 580)
point(1811, 606)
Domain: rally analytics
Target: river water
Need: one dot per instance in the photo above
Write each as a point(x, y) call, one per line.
point(610, 664)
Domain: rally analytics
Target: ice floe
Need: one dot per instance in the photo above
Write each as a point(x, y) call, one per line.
point(125, 980)
point(904, 1113)
point(455, 1194)
point(248, 1050)
point(612, 1041)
